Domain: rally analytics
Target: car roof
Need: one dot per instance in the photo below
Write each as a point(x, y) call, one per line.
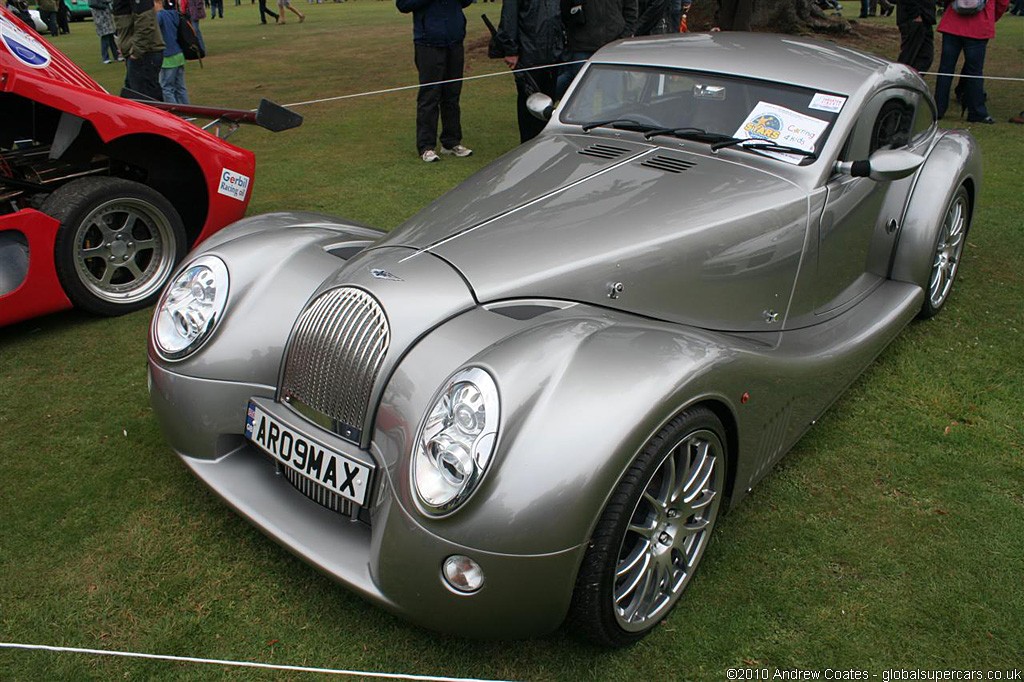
point(781, 58)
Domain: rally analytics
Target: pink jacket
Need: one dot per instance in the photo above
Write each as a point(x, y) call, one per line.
point(981, 25)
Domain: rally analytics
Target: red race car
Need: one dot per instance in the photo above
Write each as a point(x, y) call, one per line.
point(101, 196)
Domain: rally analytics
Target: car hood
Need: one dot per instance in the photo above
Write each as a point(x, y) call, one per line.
point(25, 52)
point(669, 234)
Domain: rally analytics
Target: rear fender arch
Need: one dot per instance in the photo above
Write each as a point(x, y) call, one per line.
point(955, 160)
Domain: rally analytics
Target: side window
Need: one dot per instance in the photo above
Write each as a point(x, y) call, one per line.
point(924, 120)
point(893, 125)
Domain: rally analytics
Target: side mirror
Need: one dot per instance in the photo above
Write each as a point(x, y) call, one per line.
point(885, 165)
point(540, 105)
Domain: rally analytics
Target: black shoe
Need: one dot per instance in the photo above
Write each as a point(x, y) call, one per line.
point(988, 120)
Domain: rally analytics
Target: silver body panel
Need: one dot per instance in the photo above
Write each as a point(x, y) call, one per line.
point(757, 288)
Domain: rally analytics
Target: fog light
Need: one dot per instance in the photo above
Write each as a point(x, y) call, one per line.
point(463, 574)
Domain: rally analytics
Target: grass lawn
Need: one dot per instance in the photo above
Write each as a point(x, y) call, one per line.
point(891, 537)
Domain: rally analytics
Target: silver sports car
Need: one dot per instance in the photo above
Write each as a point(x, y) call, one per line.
point(532, 401)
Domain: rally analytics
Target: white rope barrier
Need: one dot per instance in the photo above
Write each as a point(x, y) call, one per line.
point(552, 66)
point(242, 664)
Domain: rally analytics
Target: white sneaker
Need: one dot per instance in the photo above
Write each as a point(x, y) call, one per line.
point(430, 156)
point(457, 150)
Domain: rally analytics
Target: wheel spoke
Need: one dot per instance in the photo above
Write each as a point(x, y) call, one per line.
point(133, 268)
point(636, 557)
point(693, 527)
point(707, 468)
point(646, 531)
point(704, 500)
point(145, 245)
point(100, 251)
point(129, 223)
point(108, 273)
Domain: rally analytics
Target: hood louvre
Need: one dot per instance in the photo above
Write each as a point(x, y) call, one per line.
point(603, 151)
point(668, 164)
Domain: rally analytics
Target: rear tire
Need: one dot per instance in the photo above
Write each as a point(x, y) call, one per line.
point(653, 533)
point(948, 250)
point(118, 243)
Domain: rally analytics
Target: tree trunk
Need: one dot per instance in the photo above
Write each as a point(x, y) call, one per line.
point(778, 16)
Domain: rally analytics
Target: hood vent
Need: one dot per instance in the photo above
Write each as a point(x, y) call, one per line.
point(668, 164)
point(603, 151)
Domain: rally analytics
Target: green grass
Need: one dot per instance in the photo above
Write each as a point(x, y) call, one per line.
point(892, 536)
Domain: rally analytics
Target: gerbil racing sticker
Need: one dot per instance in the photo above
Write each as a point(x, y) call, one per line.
point(234, 185)
point(25, 48)
point(783, 126)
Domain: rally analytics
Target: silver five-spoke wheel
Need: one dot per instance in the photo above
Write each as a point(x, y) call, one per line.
point(120, 250)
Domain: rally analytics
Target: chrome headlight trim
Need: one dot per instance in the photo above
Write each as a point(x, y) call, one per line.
point(455, 441)
point(190, 308)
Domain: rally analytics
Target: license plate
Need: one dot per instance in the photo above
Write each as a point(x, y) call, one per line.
point(333, 470)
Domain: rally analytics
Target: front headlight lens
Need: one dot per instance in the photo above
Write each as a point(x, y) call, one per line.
point(455, 441)
point(191, 307)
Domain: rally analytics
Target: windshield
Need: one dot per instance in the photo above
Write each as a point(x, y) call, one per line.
point(695, 105)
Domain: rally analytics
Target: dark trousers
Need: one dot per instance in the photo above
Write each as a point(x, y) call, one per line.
point(974, 64)
point(50, 19)
point(108, 47)
point(735, 15)
point(216, 9)
point(917, 45)
point(264, 11)
point(143, 75)
point(438, 64)
point(547, 82)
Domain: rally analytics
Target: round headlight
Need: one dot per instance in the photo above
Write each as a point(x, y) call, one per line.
point(455, 441)
point(191, 307)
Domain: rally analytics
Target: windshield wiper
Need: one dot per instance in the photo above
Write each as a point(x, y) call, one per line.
point(616, 123)
point(761, 145)
point(687, 134)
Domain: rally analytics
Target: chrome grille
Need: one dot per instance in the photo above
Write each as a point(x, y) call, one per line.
point(336, 352)
point(317, 492)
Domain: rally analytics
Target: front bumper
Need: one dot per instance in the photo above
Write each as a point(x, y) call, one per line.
point(393, 562)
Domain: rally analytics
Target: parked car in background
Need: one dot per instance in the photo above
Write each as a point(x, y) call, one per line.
point(100, 197)
point(535, 398)
point(79, 9)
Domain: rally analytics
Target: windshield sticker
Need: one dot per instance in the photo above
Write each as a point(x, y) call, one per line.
point(781, 125)
point(25, 48)
point(234, 185)
point(823, 102)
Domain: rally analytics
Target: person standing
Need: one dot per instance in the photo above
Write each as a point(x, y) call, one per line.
point(172, 69)
point(63, 17)
point(283, 5)
point(916, 18)
point(216, 9)
point(439, 27)
point(591, 25)
point(48, 13)
point(142, 46)
point(196, 11)
point(530, 34)
point(967, 33)
point(103, 22)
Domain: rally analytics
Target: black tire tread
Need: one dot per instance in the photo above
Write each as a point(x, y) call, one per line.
point(67, 202)
point(587, 612)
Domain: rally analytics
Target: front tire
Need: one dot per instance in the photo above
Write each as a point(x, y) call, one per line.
point(117, 245)
point(653, 533)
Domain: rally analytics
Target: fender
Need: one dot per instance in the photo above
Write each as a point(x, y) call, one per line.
point(953, 161)
point(274, 262)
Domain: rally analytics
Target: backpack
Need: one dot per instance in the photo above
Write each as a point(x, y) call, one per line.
point(968, 6)
point(189, 41)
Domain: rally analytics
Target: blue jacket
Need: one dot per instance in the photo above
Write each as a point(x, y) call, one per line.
point(437, 23)
point(168, 20)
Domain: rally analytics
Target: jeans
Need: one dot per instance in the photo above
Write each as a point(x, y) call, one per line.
point(216, 9)
point(108, 48)
point(439, 64)
point(172, 82)
point(974, 64)
point(143, 74)
point(567, 73)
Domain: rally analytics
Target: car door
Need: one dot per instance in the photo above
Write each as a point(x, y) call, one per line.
point(859, 224)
